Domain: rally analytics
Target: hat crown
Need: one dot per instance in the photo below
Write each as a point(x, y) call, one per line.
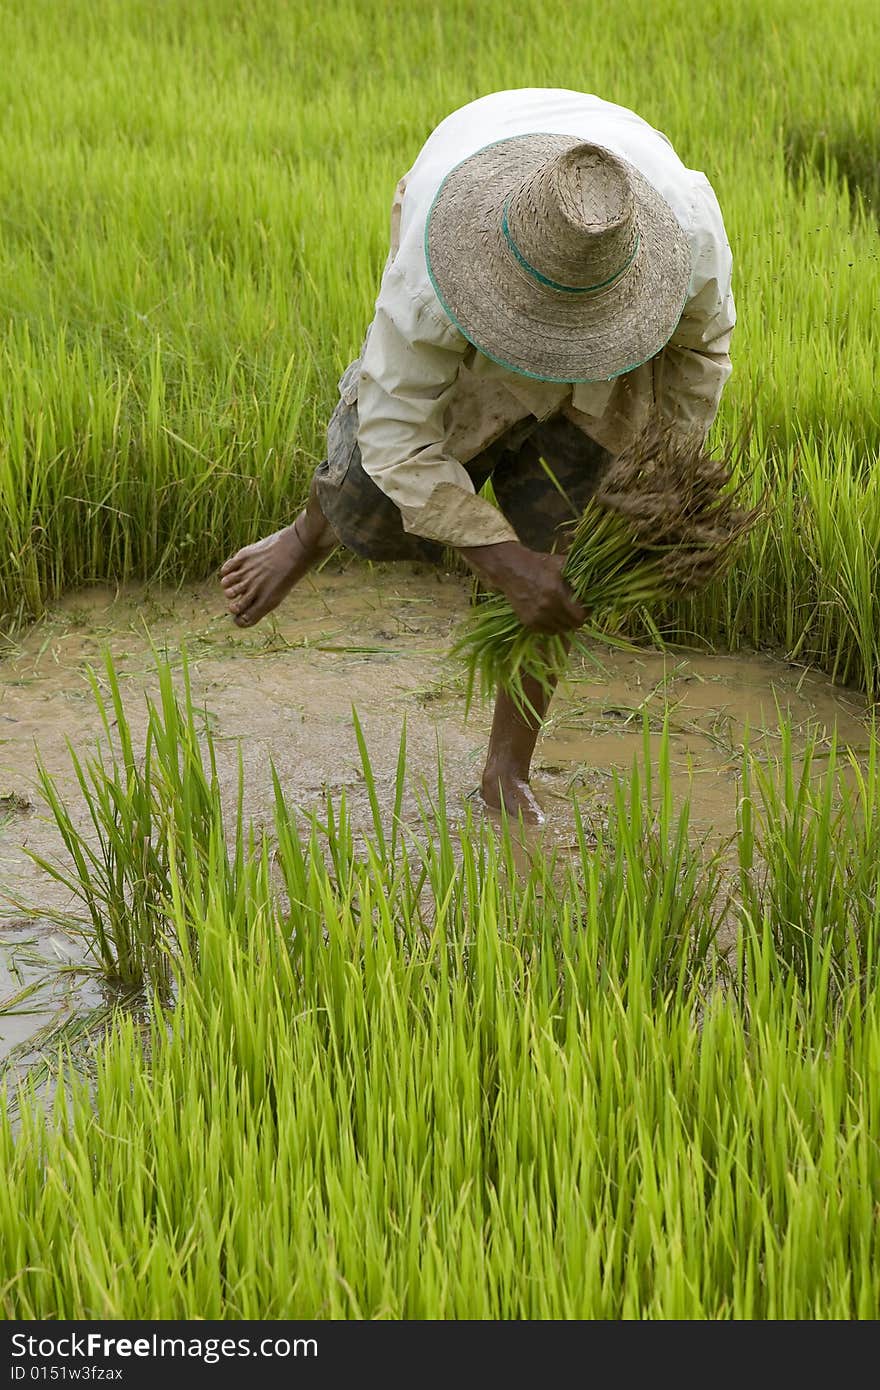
point(572, 223)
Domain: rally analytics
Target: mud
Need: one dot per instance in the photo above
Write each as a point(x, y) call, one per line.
point(372, 637)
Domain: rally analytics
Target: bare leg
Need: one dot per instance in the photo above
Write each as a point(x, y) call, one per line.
point(259, 576)
point(512, 742)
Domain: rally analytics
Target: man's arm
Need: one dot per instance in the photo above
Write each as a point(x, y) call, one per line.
point(408, 375)
point(531, 582)
point(407, 379)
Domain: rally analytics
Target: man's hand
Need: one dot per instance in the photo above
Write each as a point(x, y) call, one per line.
point(531, 582)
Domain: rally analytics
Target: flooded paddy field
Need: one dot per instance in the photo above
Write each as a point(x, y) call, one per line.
point(374, 638)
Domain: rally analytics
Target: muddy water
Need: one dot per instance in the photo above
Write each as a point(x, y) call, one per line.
point(372, 637)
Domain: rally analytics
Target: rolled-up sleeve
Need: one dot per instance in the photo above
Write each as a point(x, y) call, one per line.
point(407, 379)
point(691, 371)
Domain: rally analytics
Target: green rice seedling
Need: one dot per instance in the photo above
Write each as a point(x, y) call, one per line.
point(673, 883)
point(145, 811)
point(808, 857)
point(664, 522)
point(499, 1115)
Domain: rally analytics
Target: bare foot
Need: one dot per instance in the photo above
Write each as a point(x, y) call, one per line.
point(259, 576)
point(501, 788)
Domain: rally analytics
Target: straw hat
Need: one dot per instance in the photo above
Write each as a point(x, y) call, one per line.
point(557, 258)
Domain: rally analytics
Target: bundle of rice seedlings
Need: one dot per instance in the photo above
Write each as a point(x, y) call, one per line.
point(665, 521)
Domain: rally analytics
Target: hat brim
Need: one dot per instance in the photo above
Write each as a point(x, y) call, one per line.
point(532, 329)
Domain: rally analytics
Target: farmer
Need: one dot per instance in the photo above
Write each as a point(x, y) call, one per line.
point(555, 275)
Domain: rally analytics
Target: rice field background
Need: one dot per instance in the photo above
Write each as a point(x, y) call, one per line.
point(195, 214)
point(400, 1075)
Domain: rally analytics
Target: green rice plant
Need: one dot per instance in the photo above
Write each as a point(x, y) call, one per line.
point(146, 812)
point(658, 873)
point(665, 521)
point(848, 152)
point(445, 1091)
point(808, 857)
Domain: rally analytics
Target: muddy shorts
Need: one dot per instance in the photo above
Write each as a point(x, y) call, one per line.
point(536, 505)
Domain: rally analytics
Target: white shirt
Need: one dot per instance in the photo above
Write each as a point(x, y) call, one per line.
point(428, 401)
